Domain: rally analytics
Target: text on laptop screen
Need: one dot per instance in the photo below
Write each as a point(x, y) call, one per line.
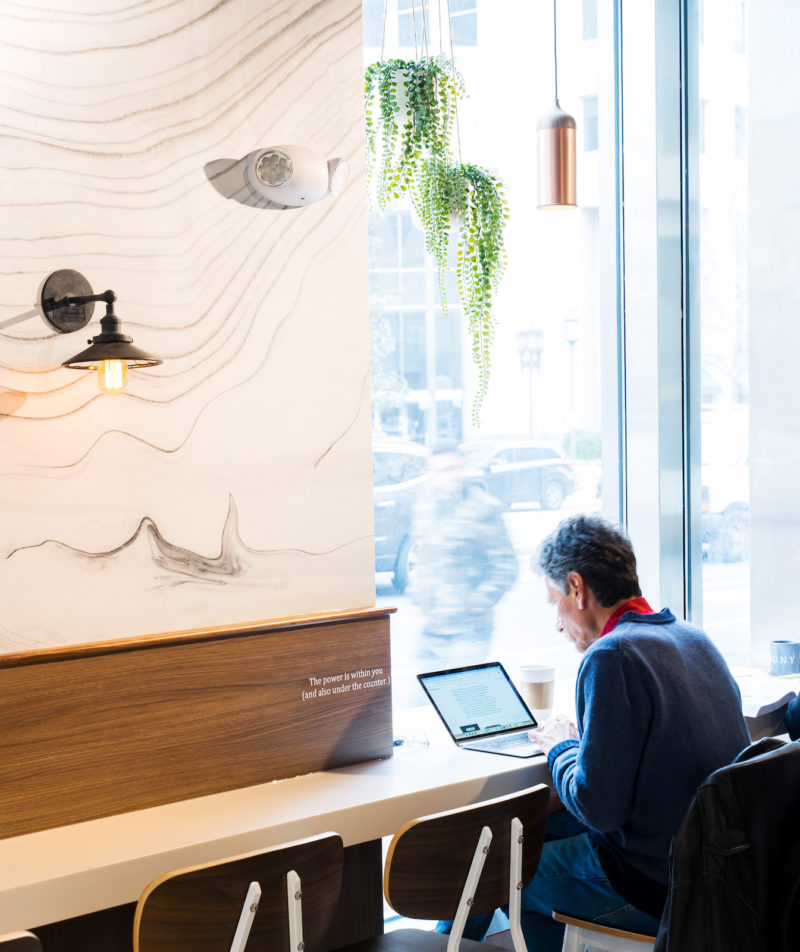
point(476, 702)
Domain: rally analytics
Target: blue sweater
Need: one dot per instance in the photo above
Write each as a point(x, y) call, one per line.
point(658, 711)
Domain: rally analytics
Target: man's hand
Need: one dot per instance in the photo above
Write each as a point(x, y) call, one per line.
point(553, 731)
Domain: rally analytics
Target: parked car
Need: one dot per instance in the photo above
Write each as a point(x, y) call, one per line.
point(523, 471)
point(398, 471)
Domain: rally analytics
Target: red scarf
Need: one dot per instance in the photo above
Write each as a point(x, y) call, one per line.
point(638, 605)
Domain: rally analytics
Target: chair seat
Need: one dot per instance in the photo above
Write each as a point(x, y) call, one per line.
point(580, 933)
point(413, 940)
point(20, 942)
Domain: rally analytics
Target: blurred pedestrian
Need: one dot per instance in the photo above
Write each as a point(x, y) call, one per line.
point(464, 561)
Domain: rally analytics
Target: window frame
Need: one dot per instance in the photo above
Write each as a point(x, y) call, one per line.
point(658, 349)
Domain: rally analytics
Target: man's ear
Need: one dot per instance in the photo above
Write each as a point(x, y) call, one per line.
point(577, 587)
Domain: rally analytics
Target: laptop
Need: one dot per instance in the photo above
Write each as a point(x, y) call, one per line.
point(482, 709)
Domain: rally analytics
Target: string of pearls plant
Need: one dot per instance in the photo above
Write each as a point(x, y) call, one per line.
point(410, 108)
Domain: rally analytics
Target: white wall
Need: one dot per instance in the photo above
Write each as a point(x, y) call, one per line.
point(118, 516)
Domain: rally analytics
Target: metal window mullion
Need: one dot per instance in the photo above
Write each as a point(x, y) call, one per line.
point(654, 358)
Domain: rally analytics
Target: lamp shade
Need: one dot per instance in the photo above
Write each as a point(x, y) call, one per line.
point(555, 134)
point(100, 350)
point(111, 353)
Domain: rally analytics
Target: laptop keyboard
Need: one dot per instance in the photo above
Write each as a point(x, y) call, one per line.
point(503, 743)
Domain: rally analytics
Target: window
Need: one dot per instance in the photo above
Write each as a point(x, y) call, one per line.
point(590, 127)
point(411, 18)
point(390, 468)
point(464, 22)
point(538, 453)
point(373, 22)
point(740, 131)
point(742, 306)
point(589, 20)
point(419, 21)
point(739, 27)
point(701, 126)
point(672, 404)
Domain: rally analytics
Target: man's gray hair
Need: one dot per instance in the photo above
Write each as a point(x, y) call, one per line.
point(599, 551)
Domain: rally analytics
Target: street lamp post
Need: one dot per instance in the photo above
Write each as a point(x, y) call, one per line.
point(571, 337)
point(529, 347)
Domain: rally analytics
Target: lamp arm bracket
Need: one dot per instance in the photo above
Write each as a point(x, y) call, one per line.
point(67, 300)
point(74, 300)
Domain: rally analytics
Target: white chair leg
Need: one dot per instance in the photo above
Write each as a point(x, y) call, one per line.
point(571, 938)
point(294, 896)
point(578, 939)
point(515, 887)
point(468, 893)
point(246, 916)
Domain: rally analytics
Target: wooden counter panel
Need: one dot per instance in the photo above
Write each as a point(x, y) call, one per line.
point(89, 734)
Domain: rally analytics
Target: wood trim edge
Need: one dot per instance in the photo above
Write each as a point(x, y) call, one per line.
point(215, 633)
point(590, 926)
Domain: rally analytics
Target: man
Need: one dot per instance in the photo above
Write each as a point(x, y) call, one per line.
point(657, 712)
point(792, 718)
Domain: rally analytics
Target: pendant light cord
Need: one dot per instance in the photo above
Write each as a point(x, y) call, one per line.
point(453, 64)
point(383, 37)
point(424, 23)
point(441, 44)
point(555, 52)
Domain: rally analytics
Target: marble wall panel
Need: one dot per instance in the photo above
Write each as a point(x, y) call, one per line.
point(231, 483)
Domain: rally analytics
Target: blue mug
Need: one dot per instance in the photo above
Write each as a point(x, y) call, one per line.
point(784, 657)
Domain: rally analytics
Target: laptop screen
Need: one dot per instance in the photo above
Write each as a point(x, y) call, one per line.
point(476, 701)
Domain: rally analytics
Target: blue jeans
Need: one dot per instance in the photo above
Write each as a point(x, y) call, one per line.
point(569, 878)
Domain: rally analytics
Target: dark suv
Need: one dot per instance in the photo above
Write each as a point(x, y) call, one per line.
point(523, 471)
point(398, 471)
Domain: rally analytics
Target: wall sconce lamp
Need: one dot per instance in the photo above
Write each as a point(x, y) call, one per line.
point(67, 302)
point(292, 175)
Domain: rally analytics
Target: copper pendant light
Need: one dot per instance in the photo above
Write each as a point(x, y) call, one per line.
point(555, 134)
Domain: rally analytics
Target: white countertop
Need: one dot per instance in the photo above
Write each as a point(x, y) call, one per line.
point(72, 870)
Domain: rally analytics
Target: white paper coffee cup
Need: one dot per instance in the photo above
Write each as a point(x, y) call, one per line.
point(537, 685)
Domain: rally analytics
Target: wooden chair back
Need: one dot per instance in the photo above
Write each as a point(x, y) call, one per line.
point(197, 909)
point(429, 859)
point(20, 942)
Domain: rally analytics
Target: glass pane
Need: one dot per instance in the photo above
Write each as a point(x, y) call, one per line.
point(414, 284)
point(465, 29)
point(410, 22)
point(373, 22)
point(449, 347)
point(746, 287)
point(382, 243)
point(544, 418)
point(385, 284)
point(414, 351)
point(413, 247)
point(590, 131)
point(388, 332)
point(590, 19)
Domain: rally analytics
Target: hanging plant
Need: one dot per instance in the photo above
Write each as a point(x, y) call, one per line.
point(410, 108)
point(465, 202)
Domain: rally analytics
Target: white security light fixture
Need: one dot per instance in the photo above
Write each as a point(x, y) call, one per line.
point(295, 176)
